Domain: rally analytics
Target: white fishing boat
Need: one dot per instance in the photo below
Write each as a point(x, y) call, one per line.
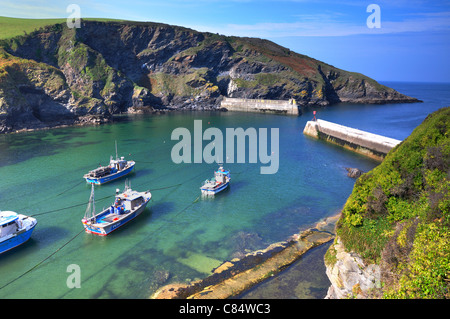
point(218, 183)
point(127, 205)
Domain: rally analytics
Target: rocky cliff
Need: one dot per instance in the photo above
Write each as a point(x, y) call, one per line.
point(393, 237)
point(56, 74)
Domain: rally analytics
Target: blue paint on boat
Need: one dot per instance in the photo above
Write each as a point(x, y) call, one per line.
point(15, 229)
point(114, 174)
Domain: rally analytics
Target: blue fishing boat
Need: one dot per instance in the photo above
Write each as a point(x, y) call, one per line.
point(127, 205)
point(15, 229)
point(117, 168)
point(218, 183)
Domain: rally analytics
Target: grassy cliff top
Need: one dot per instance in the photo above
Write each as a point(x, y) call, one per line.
point(12, 27)
point(398, 214)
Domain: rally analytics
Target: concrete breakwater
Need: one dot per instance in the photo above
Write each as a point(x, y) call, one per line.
point(289, 107)
point(365, 143)
point(236, 276)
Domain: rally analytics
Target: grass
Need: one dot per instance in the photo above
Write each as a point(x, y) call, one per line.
point(12, 27)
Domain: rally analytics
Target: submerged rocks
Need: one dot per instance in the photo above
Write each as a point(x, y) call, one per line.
point(235, 276)
point(354, 172)
point(244, 242)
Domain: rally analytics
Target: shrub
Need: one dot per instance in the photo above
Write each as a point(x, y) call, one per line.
point(398, 213)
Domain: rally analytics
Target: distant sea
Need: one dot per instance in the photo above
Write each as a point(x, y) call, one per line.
point(181, 237)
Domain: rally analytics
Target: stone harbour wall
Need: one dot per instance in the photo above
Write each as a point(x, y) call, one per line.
point(365, 143)
point(289, 107)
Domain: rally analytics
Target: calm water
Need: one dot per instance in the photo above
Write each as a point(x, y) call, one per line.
point(179, 237)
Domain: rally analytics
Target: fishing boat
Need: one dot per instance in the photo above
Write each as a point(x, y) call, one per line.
point(15, 229)
point(127, 205)
point(218, 183)
point(117, 168)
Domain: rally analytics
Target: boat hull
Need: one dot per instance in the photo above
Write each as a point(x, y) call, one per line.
point(212, 192)
point(104, 230)
point(109, 178)
point(16, 240)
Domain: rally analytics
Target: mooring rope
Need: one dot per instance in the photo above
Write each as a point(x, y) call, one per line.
point(81, 231)
point(143, 162)
point(51, 197)
point(68, 207)
point(98, 199)
point(42, 261)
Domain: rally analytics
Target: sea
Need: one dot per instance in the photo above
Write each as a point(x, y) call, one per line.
point(181, 236)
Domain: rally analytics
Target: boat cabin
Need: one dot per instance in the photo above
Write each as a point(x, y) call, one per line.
point(129, 201)
point(118, 164)
point(8, 223)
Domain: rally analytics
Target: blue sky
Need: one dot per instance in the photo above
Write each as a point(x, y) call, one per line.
point(412, 44)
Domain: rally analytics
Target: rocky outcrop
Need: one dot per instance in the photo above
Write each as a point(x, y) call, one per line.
point(354, 172)
point(112, 67)
point(350, 277)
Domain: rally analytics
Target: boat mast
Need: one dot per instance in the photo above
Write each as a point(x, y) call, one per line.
point(93, 202)
point(117, 157)
point(90, 210)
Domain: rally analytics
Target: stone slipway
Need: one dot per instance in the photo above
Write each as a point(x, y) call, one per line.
point(235, 276)
point(289, 107)
point(365, 143)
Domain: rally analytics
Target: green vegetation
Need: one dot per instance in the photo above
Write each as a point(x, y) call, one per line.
point(190, 84)
point(398, 214)
point(17, 71)
point(12, 27)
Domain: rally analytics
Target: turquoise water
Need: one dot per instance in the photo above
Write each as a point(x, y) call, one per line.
point(180, 236)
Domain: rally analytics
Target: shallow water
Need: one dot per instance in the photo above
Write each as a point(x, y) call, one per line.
point(304, 279)
point(180, 236)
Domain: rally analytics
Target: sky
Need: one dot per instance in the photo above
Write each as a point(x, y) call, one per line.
point(410, 40)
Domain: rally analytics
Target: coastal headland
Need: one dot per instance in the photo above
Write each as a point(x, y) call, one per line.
point(57, 75)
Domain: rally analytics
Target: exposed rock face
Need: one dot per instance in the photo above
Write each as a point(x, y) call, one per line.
point(57, 73)
point(350, 277)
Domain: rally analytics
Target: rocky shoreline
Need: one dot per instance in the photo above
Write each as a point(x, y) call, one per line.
point(238, 275)
point(80, 121)
point(85, 120)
